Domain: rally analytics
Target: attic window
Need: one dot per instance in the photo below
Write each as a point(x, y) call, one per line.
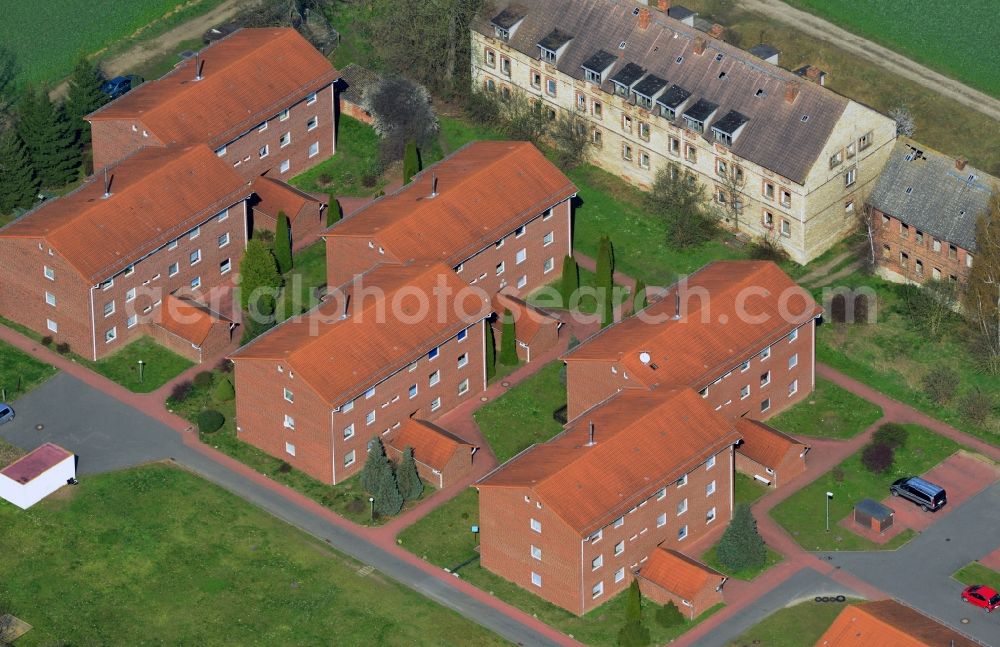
point(972, 178)
point(722, 75)
point(654, 366)
point(679, 59)
point(909, 190)
point(760, 93)
point(635, 12)
point(805, 118)
point(718, 57)
point(621, 45)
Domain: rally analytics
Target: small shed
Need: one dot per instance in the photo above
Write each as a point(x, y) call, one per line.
point(441, 457)
point(33, 477)
point(536, 329)
point(670, 576)
point(872, 514)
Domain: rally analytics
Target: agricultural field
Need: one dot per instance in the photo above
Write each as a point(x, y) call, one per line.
point(47, 39)
point(955, 38)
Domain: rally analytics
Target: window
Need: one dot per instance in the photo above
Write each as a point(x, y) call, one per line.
point(110, 335)
point(536, 553)
point(692, 154)
point(786, 228)
point(864, 141)
point(598, 109)
point(849, 206)
point(710, 488)
point(721, 168)
point(462, 334)
point(968, 259)
point(195, 257)
point(289, 396)
point(314, 149)
point(643, 131)
point(536, 79)
point(627, 123)
point(919, 267)
point(500, 268)
point(522, 281)
point(290, 449)
point(619, 548)
point(851, 150)
point(764, 354)
point(263, 151)
point(661, 520)
point(710, 463)
point(519, 231)
point(370, 393)
point(619, 522)
point(550, 87)
point(720, 196)
point(194, 233)
point(51, 325)
point(434, 378)
point(850, 176)
point(744, 392)
point(536, 579)
point(710, 515)
point(289, 422)
point(674, 146)
point(349, 458)
point(682, 481)
point(643, 159)
point(792, 336)
point(51, 298)
point(463, 359)
point(107, 284)
point(952, 252)
point(682, 507)
point(370, 417)
point(133, 321)
point(348, 406)
point(311, 99)
point(283, 168)
point(173, 269)
point(283, 115)
point(626, 152)
point(765, 378)
point(793, 361)
point(223, 240)
point(261, 128)
point(768, 190)
point(521, 256)
point(745, 366)
point(837, 159)
point(109, 308)
point(129, 295)
point(536, 525)
point(312, 123)
point(765, 404)
point(220, 152)
point(50, 273)
point(463, 387)
point(936, 246)
point(793, 388)
point(620, 575)
point(597, 590)
point(491, 58)
point(285, 140)
point(597, 562)
point(682, 532)
point(435, 404)
point(432, 353)
point(129, 271)
point(598, 138)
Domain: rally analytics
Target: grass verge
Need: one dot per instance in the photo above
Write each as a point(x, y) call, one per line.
point(829, 412)
point(160, 365)
point(976, 573)
point(20, 372)
point(747, 489)
point(800, 625)
point(352, 171)
point(189, 563)
point(803, 514)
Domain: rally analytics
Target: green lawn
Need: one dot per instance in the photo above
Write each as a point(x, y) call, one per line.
point(159, 367)
point(829, 412)
point(803, 514)
point(158, 554)
point(747, 489)
point(894, 355)
point(352, 170)
point(522, 416)
point(9, 453)
point(585, 301)
point(444, 538)
point(709, 558)
point(976, 573)
point(796, 626)
point(348, 499)
point(950, 37)
point(20, 372)
point(307, 275)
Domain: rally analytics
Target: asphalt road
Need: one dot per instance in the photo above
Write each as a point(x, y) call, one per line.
point(108, 435)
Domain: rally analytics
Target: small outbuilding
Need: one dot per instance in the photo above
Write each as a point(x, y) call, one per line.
point(35, 476)
point(669, 576)
point(442, 458)
point(872, 514)
point(767, 455)
point(306, 211)
point(536, 329)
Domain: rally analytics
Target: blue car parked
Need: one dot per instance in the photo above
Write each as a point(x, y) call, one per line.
point(6, 413)
point(117, 86)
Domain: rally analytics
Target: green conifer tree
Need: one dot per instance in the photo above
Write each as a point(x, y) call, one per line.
point(375, 464)
point(18, 183)
point(223, 391)
point(411, 161)
point(410, 485)
point(639, 298)
point(333, 214)
point(491, 352)
point(570, 279)
point(283, 244)
point(259, 278)
point(388, 499)
point(49, 139)
point(633, 602)
point(84, 97)
point(508, 340)
point(741, 545)
point(604, 281)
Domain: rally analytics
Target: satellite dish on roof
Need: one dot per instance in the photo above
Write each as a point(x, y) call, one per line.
point(644, 357)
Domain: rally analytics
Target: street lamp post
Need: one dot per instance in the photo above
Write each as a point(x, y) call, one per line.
point(829, 495)
point(371, 500)
point(141, 364)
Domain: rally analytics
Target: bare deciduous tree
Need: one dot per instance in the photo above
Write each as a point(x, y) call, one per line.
point(982, 295)
point(569, 135)
point(871, 226)
point(401, 111)
point(905, 125)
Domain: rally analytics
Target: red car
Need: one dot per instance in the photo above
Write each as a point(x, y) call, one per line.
point(981, 596)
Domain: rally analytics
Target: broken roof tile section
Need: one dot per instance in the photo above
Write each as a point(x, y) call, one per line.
point(35, 463)
point(432, 445)
point(763, 443)
point(888, 622)
point(156, 195)
point(392, 318)
point(714, 332)
point(246, 78)
point(485, 190)
point(679, 574)
point(643, 441)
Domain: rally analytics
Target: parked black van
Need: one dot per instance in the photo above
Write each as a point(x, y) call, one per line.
point(924, 493)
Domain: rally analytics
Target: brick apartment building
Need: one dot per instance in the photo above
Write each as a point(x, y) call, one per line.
point(572, 519)
point(741, 333)
point(794, 159)
point(497, 212)
point(262, 99)
point(406, 342)
point(93, 267)
point(925, 207)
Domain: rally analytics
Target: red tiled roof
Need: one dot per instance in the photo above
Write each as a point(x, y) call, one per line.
point(276, 196)
point(432, 445)
point(157, 194)
point(643, 440)
point(34, 464)
point(188, 319)
point(528, 320)
point(763, 443)
point(485, 191)
point(247, 78)
point(714, 334)
point(341, 357)
point(888, 622)
point(678, 573)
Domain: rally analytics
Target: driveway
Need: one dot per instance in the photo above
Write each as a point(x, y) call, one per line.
point(919, 573)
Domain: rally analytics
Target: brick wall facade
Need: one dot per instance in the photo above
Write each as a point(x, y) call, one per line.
point(567, 565)
point(450, 473)
point(706, 598)
point(791, 465)
point(908, 255)
point(219, 338)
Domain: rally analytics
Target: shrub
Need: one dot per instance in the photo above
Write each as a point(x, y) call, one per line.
point(891, 434)
point(669, 615)
point(47, 341)
point(633, 602)
point(203, 380)
point(225, 365)
point(325, 179)
point(976, 405)
point(633, 634)
point(838, 474)
point(62, 348)
point(940, 383)
point(210, 421)
point(877, 458)
point(284, 468)
point(223, 391)
point(741, 545)
point(181, 391)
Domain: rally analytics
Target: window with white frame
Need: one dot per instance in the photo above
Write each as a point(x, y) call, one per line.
point(289, 422)
point(793, 388)
point(682, 507)
point(195, 257)
point(50, 299)
point(263, 151)
point(223, 240)
point(370, 393)
point(744, 392)
point(109, 308)
point(597, 536)
point(433, 378)
point(549, 265)
point(710, 463)
point(463, 387)
point(792, 336)
point(261, 128)
point(284, 166)
point(710, 515)
point(765, 378)
point(536, 525)
point(129, 295)
point(194, 233)
point(283, 115)
point(597, 590)
point(745, 366)
point(129, 271)
point(661, 520)
point(547, 239)
point(314, 149)
point(195, 283)
point(107, 284)
point(764, 354)
point(348, 406)
point(110, 335)
point(290, 449)
point(349, 458)
point(462, 334)
point(536, 552)
point(432, 353)
point(225, 266)
point(851, 176)
point(435, 404)
point(349, 431)
point(765, 404)
point(793, 361)
point(500, 268)
point(597, 562)
point(173, 269)
point(50, 273)
point(682, 481)
point(620, 574)
point(661, 494)
point(312, 123)
point(172, 244)
point(619, 522)
point(289, 396)
point(133, 321)
point(620, 548)
point(682, 533)
point(710, 489)
point(536, 579)
point(522, 255)
point(51, 325)
point(370, 417)
point(522, 281)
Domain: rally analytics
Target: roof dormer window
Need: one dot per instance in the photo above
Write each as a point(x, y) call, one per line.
point(699, 114)
point(672, 101)
point(595, 67)
point(647, 90)
point(506, 23)
point(552, 45)
point(729, 127)
point(626, 78)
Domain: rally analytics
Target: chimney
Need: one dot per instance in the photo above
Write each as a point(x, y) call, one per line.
point(347, 303)
point(663, 5)
point(644, 18)
point(434, 185)
point(591, 443)
point(107, 184)
point(717, 31)
point(197, 67)
point(677, 305)
point(791, 91)
point(699, 46)
point(960, 163)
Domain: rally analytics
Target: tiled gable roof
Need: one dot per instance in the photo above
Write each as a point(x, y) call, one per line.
point(924, 189)
point(763, 443)
point(713, 334)
point(157, 194)
point(644, 440)
point(678, 573)
point(774, 137)
point(485, 190)
point(888, 622)
point(275, 195)
point(341, 357)
point(432, 445)
point(247, 77)
point(188, 319)
point(529, 320)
